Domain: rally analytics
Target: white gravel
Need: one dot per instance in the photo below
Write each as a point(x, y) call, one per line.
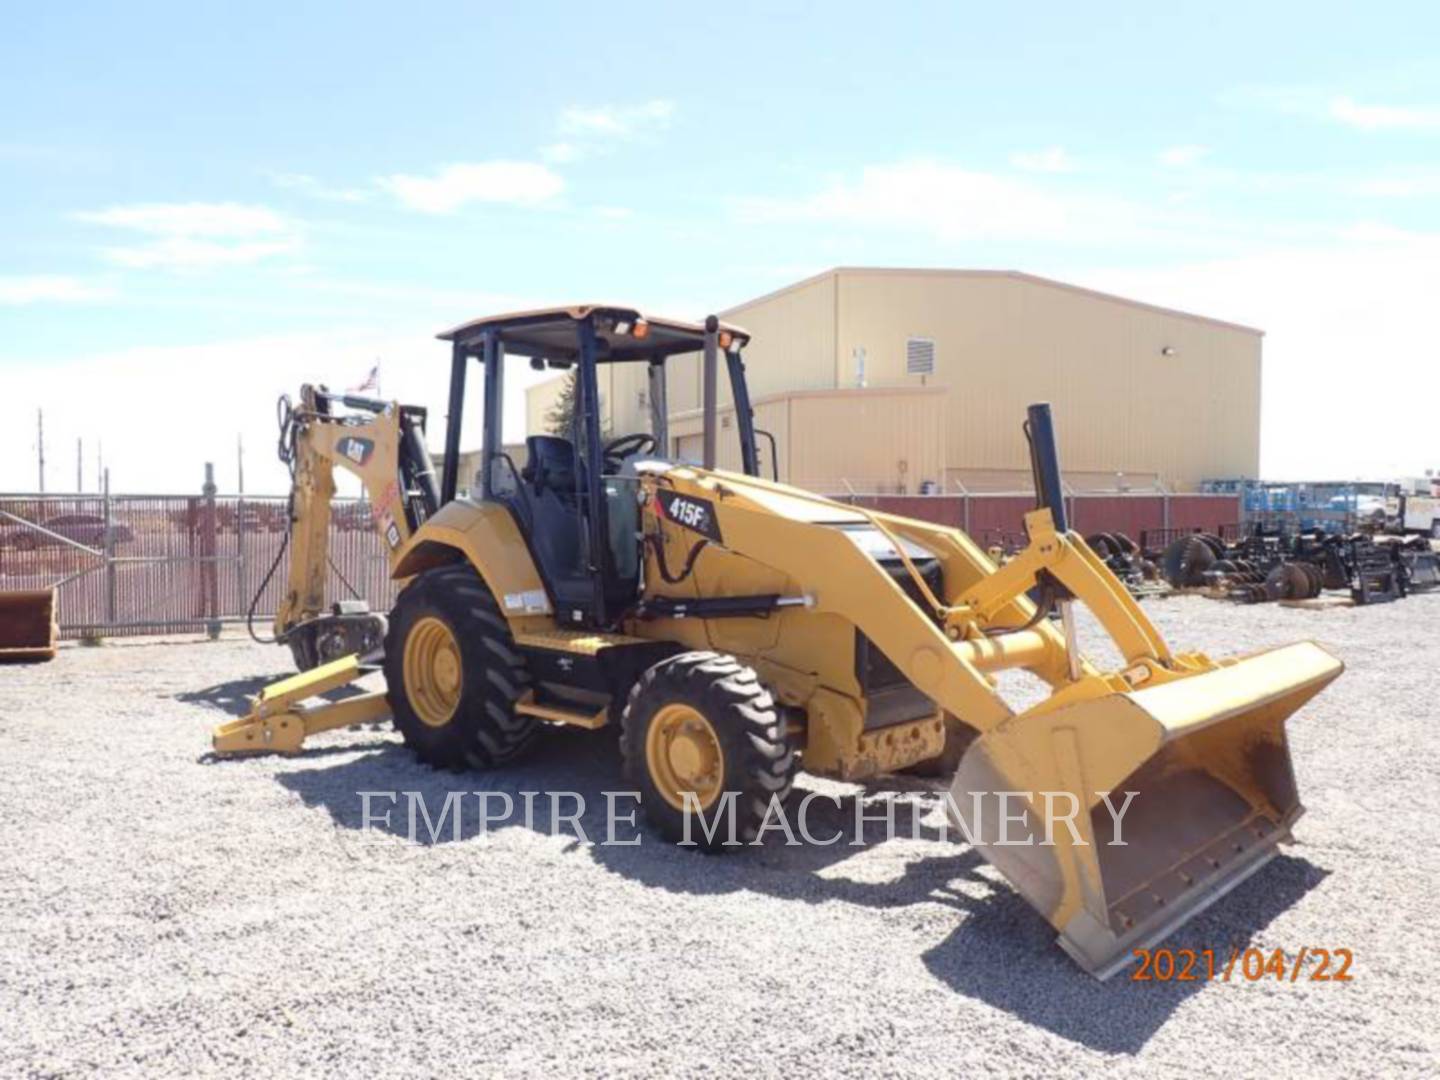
point(164, 913)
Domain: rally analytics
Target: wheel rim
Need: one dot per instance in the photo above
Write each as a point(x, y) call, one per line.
point(683, 755)
point(432, 671)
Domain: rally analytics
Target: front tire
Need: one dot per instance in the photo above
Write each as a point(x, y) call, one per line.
point(454, 675)
point(701, 723)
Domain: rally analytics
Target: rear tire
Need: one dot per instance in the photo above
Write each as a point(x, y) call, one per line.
point(454, 674)
point(703, 719)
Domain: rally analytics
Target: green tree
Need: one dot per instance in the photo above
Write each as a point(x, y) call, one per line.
point(560, 420)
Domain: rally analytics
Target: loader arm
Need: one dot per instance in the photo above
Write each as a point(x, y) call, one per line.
point(946, 654)
point(1200, 743)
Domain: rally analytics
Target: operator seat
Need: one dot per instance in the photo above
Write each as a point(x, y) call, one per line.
point(550, 465)
point(556, 522)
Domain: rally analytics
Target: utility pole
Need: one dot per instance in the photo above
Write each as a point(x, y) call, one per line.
point(40, 445)
point(240, 460)
point(99, 460)
point(79, 465)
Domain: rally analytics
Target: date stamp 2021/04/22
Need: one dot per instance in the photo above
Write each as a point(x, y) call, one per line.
point(1242, 965)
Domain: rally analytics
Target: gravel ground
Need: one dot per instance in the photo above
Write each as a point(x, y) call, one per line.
point(163, 912)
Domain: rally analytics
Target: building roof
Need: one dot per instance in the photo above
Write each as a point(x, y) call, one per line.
point(1016, 275)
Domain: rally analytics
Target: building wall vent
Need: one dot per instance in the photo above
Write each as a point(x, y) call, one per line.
point(919, 356)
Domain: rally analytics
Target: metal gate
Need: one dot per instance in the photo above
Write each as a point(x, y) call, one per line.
point(144, 564)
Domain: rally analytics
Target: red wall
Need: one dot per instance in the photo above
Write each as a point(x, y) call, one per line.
point(1130, 514)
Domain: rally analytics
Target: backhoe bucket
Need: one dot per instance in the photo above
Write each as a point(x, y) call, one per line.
point(27, 625)
point(1200, 793)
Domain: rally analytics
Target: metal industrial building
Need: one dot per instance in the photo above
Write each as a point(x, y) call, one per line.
point(913, 381)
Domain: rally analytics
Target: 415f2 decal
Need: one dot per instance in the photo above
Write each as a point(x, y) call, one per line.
point(690, 512)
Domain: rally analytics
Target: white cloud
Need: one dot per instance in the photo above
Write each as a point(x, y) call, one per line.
point(1051, 160)
point(309, 185)
point(185, 253)
point(49, 288)
point(956, 203)
point(190, 219)
point(1181, 156)
point(188, 236)
point(561, 153)
point(1399, 185)
point(616, 121)
point(1318, 104)
point(516, 182)
point(414, 367)
point(1385, 117)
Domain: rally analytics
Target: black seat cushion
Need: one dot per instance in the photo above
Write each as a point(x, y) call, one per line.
point(550, 464)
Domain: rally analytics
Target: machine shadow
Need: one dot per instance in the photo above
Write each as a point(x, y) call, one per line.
point(1042, 987)
point(1002, 952)
point(571, 778)
point(234, 696)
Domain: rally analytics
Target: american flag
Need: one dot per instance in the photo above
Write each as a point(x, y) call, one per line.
point(370, 382)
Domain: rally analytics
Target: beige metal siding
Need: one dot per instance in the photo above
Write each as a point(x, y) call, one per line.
point(792, 347)
point(1003, 342)
point(626, 397)
point(867, 440)
point(833, 441)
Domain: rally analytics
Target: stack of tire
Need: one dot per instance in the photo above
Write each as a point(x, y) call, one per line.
point(1122, 555)
point(1242, 579)
point(1187, 560)
point(1294, 581)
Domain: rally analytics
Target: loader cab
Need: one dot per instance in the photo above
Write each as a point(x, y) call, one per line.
point(575, 495)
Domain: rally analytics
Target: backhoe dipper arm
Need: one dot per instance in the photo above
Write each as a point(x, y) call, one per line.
point(312, 489)
point(370, 448)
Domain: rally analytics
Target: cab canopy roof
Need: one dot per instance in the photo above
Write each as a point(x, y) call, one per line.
point(621, 333)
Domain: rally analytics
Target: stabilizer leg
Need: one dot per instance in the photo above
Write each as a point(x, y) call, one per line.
point(278, 723)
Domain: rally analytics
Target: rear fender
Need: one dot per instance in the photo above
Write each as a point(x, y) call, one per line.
point(486, 536)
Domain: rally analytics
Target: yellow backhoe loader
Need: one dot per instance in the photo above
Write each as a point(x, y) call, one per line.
point(382, 443)
point(734, 628)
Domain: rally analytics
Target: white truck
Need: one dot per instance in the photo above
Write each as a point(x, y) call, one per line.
point(1416, 506)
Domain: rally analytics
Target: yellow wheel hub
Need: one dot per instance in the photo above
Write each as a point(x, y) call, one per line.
point(432, 671)
point(683, 754)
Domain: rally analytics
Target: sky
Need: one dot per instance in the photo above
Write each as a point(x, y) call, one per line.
point(204, 205)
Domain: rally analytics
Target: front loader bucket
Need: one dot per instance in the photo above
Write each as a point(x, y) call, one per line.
point(1207, 761)
point(27, 625)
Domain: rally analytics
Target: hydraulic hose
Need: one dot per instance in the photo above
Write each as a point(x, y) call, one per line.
point(285, 414)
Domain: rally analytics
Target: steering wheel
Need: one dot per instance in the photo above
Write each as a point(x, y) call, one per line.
point(616, 450)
